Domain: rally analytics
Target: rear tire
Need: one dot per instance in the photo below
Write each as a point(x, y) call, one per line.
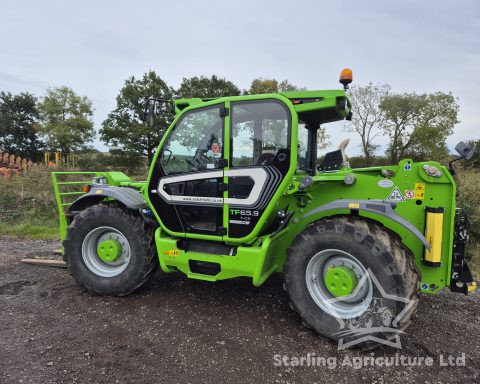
point(136, 260)
point(362, 246)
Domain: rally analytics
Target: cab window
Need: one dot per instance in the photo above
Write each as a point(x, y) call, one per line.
point(260, 132)
point(302, 147)
point(303, 150)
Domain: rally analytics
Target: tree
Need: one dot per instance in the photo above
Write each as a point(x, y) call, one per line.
point(205, 87)
point(435, 123)
point(367, 115)
point(400, 118)
point(124, 126)
point(285, 86)
point(418, 125)
point(262, 85)
point(66, 120)
point(266, 85)
point(18, 117)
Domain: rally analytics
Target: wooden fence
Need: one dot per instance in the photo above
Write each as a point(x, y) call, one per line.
point(11, 164)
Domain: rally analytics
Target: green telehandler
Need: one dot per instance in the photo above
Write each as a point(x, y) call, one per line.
point(236, 190)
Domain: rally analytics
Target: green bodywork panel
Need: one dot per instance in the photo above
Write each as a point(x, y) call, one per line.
point(260, 254)
point(257, 261)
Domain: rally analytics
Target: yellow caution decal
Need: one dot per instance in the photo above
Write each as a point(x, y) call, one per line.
point(419, 191)
point(171, 252)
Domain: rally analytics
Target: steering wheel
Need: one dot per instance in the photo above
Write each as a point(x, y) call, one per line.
point(266, 158)
point(198, 162)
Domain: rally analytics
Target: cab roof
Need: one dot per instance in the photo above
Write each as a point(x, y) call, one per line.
point(312, 107)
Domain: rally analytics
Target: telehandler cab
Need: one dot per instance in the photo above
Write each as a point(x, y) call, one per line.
point(236, 190)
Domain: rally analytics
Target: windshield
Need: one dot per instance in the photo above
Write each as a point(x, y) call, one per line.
point(196, 142)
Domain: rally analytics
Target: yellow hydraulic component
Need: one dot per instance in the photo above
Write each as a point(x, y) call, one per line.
point(472, 286)
point(433, 234)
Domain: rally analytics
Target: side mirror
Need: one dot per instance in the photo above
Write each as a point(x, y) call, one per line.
point(154, 107)
point(149, 113)
point(464, 150)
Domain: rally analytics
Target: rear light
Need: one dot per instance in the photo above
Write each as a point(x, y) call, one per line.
point(86, 188)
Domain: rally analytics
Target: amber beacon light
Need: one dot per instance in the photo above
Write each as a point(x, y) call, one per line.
point(346, 77)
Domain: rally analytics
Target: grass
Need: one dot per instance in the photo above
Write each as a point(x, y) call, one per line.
point(30, 231)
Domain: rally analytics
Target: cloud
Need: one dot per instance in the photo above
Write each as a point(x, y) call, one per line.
point(94, 46)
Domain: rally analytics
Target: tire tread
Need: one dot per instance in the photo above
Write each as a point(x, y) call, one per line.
point(143, 232)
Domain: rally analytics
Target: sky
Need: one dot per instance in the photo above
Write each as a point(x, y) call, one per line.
point(94, 46)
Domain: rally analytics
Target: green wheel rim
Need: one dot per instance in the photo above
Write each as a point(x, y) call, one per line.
point(109, 250)
point(340, 281)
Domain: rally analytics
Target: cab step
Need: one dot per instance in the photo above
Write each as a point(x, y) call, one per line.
point(208, 247)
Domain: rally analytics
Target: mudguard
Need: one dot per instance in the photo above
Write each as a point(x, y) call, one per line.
point(379, 207)
point(129, 197)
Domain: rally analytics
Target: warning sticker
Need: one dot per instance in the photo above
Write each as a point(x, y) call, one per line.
point(409, 194)
point(216, 150)
point(419, 190)
point(396, 195)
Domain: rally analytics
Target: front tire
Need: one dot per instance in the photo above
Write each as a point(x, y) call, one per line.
point(358, 249)
point(110, 250)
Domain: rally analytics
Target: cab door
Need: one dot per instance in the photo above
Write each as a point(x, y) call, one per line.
point(260, 136)
point(186, 187)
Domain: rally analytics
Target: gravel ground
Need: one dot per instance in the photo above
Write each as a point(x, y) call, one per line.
point(175, 330)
